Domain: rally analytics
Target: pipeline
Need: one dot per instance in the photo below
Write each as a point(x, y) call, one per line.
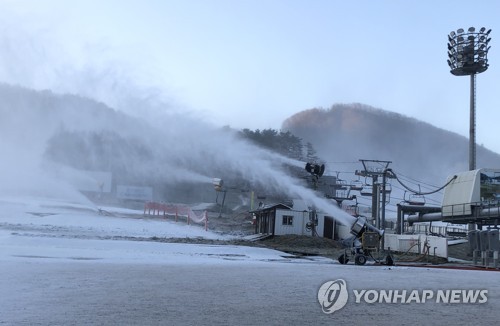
point(429, 217)
point(432, 217)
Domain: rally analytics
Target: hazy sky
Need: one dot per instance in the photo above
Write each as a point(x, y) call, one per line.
point(252, 64)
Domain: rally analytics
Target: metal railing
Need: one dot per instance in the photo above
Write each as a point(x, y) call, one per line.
point(437, 230)
point(485, 210)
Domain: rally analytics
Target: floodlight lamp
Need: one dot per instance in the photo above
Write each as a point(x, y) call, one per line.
point(482, 30)
point(488, 40)
point(488, 32)
point(449, 47)
point(471, 37)
point(449, 63)
point(452, 34)
point(460, 30)
point(460, 39)
point(471, 29)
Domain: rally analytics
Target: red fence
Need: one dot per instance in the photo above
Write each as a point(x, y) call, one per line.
point(153, 208)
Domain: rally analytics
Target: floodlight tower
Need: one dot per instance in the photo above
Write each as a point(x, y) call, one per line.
point(468, 55)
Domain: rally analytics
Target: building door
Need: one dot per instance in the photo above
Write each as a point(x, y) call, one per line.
point(328, 227)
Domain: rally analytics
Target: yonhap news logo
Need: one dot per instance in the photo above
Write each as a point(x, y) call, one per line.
point(333, 296)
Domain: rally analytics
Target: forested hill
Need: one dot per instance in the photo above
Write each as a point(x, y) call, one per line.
point(349, 132)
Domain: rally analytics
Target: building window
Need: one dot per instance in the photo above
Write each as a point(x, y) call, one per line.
point(287, 220)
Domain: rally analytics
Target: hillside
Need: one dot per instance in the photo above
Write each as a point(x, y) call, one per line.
point(50, 141)
point(55, 144)
point(349, 132)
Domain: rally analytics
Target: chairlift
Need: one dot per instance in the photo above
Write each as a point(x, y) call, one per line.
point(415, 199)
point(339, 193)
point(356, 185)
point(342, 184)
point(366, 190)
point(352, 210)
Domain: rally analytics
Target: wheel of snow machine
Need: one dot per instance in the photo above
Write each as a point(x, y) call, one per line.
point(389, 261)
point(343, 259)
point(360, 259)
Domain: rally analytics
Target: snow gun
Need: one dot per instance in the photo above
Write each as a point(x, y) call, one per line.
point(364, 240)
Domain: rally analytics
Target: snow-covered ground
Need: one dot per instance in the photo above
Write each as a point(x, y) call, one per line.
point(69, 219)
point(63, 264)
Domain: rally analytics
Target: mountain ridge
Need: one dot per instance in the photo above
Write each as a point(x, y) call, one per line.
point(349, 132)
point(88, 135)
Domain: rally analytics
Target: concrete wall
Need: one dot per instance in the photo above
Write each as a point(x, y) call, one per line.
point(416, 244)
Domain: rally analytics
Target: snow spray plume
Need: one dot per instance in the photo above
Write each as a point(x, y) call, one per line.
point(221, 153)
point(157, 139)
point(173, 148)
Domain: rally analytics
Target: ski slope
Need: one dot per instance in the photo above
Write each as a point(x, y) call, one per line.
point(65, 264)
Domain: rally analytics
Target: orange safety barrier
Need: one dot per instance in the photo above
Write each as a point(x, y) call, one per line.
point(154, 208)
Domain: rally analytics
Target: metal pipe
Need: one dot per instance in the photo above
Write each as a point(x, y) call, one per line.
point(425, 218)
point(429, 217)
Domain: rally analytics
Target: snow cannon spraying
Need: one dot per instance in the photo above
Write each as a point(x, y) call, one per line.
point(361, 226)
point(364, 240)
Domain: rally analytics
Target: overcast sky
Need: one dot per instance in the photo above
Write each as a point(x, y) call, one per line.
point(252, 64)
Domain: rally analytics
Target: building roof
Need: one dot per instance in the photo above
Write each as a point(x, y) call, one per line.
point(268, 207)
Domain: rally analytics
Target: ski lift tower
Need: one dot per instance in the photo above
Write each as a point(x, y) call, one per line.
point(468, 55)
point(375, 169)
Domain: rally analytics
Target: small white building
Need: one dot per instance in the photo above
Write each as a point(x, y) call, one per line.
point(280, 219)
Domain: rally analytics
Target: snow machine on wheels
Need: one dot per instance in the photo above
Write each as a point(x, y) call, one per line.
point(365, 240)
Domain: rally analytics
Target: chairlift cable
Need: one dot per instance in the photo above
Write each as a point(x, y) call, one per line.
point(417, 181)
point(418, 192)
